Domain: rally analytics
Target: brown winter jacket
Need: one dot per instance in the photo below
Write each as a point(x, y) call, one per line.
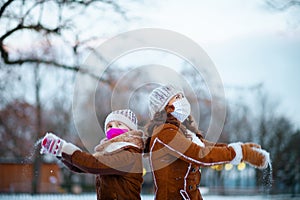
point(117, 164)
point(175, 162)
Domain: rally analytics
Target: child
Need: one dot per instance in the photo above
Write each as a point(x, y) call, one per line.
point(117, 160)
point(177, 149)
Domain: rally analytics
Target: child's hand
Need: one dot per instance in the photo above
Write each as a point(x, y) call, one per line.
point(56, 146)
point(52, 144)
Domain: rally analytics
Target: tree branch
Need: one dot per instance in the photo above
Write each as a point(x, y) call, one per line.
point(52, 63)
point(37, 28)
point(114, 5)
point(40, 28)
point(2, 9)
point(283, 7)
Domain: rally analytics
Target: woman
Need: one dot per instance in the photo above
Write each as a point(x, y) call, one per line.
point(117, 160)
point(177, 149)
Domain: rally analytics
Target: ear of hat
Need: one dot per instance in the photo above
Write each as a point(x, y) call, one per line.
point(160, 97)
point(125, 116)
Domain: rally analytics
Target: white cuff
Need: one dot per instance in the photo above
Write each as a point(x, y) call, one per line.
point(238, 152)
point(68, 148)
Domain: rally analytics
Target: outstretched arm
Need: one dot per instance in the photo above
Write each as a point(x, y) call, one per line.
point(79, 161)
point(175, 143)
point(119, 163)
point(70, 166)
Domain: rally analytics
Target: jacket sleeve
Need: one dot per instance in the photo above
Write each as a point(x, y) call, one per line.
point(118, 163)
point(208, 143)
point(175, 143)
point(70, 165)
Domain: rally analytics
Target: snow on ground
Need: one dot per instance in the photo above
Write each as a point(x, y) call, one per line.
point(144, 197)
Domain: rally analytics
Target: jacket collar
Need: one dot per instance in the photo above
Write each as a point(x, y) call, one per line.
point(116, 144)
point(191, 135)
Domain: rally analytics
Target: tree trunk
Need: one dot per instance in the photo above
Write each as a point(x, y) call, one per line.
point(37, 161)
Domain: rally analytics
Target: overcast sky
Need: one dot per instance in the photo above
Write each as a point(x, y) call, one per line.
point(248, 42)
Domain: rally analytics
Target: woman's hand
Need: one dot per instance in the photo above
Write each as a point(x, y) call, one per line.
point(250, 153)
point(255, 156)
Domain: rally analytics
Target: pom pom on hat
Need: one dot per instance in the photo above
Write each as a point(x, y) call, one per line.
point(125, 116)
point(160, 97)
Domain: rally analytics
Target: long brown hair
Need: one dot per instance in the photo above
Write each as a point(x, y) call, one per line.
point(165, 117)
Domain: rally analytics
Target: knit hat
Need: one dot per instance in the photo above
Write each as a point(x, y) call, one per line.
point(160, 97)
point(125, 116)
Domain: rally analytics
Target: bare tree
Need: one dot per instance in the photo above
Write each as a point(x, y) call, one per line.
point(16, 127)
point(272, 129)
point(48, 29)
point(288, 170)
point(48, 33)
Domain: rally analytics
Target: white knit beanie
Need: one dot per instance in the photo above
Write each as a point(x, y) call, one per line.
point(160, 97)
point(125, 116)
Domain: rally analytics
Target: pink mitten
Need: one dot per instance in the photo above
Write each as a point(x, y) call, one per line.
point(52, 144)
point(56, 146)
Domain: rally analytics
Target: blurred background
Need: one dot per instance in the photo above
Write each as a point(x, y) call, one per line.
point(255, 46)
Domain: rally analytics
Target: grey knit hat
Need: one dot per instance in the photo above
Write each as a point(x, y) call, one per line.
point(160, 97)
point(125, 116)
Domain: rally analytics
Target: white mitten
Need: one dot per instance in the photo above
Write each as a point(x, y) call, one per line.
point(54, 145)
